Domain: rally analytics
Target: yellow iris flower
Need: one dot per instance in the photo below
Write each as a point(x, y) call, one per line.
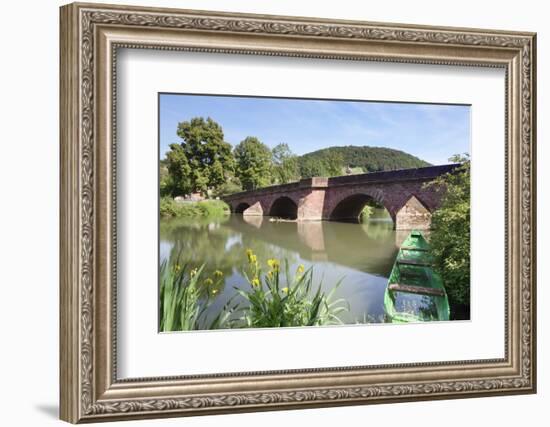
point(274, 264)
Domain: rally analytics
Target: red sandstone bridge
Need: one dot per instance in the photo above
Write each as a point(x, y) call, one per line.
point(402, 192)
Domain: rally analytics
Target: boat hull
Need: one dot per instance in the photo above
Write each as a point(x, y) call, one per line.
point(415, 291)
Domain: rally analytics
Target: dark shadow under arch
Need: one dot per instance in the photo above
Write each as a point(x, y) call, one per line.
point(241, 207)
point(349, 208)
point(284, 207)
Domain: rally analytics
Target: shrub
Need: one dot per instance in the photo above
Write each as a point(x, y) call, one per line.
point(450, 237)
point(206, 208)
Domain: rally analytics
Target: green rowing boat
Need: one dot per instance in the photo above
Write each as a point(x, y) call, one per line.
point(415, 292)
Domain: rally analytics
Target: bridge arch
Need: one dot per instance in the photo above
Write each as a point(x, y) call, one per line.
point(241, 207)
point(349, 208)
point(284, 207)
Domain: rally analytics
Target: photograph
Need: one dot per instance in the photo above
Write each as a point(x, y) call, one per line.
point(293, 212)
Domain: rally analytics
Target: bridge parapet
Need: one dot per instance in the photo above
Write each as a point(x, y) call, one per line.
point(423, 174)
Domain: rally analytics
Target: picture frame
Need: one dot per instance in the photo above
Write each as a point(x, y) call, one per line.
point(91, 35)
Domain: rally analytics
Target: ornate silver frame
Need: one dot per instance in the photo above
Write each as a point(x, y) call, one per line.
point(90, 36)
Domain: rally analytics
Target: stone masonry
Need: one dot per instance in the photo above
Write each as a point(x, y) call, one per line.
point(402, 192)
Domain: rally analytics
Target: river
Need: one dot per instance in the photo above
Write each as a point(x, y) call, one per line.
point(360, 256)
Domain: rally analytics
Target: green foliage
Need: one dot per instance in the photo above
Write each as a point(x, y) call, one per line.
point(270, 304)
point(285, 165)
point(203, 160)
point(165, 179)
point(186, 294)
point(370, 159)
point(253, 160)
point(177, 179)
point(231, 186)
point(450, 237)
point(183, 303)
point(205, 163)
point(366, 213)
point(327, 163)
point(169, 208)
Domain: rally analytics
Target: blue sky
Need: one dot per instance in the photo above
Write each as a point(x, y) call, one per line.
point(430, 132)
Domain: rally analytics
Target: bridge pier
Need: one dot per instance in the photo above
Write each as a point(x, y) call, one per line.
point(413, 215)
point(254, 210)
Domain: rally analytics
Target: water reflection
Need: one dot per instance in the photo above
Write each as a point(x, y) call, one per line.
point(360, 255)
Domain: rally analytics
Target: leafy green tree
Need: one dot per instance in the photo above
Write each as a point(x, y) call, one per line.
point(209, 157)
point(253, 160)
point(450, 237)
point(285, 164)
point(328, 163)
point(177, 181)
point(165, 179)
point(310, 167)
point(334, 164)
point(231, 186)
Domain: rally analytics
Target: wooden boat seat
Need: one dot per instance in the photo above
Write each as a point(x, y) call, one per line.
point(421, 290)
point(412, 248)
point(413, 262)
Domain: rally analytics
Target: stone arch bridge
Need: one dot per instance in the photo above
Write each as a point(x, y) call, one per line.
point(402, 192)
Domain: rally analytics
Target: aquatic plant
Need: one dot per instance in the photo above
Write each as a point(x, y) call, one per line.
point(185, 296)
point(278, 298)
point(274, 298)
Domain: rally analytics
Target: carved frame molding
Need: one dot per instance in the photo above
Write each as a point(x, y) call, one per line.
point(90, 37)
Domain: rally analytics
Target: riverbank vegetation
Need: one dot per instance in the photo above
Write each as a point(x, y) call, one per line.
point(170, 208)
point(450, 237)
point(272, 297)
point(203, 162)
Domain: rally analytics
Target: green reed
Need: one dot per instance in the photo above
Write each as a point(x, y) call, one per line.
point(185, 296)
point(274, 299)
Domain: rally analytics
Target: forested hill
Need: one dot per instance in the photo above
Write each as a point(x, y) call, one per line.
point(369, 159)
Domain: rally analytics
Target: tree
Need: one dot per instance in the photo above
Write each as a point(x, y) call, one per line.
point(334, 163)
point(230, 186)
point(178, 179)
point(328, 163)
point(209, 157)
point(253, 160)
point(450, 237)
point(285, 164)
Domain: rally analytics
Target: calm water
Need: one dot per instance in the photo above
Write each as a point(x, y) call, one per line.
point(361, 256)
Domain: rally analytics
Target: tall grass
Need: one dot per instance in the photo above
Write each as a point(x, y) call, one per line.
point(274, 299)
